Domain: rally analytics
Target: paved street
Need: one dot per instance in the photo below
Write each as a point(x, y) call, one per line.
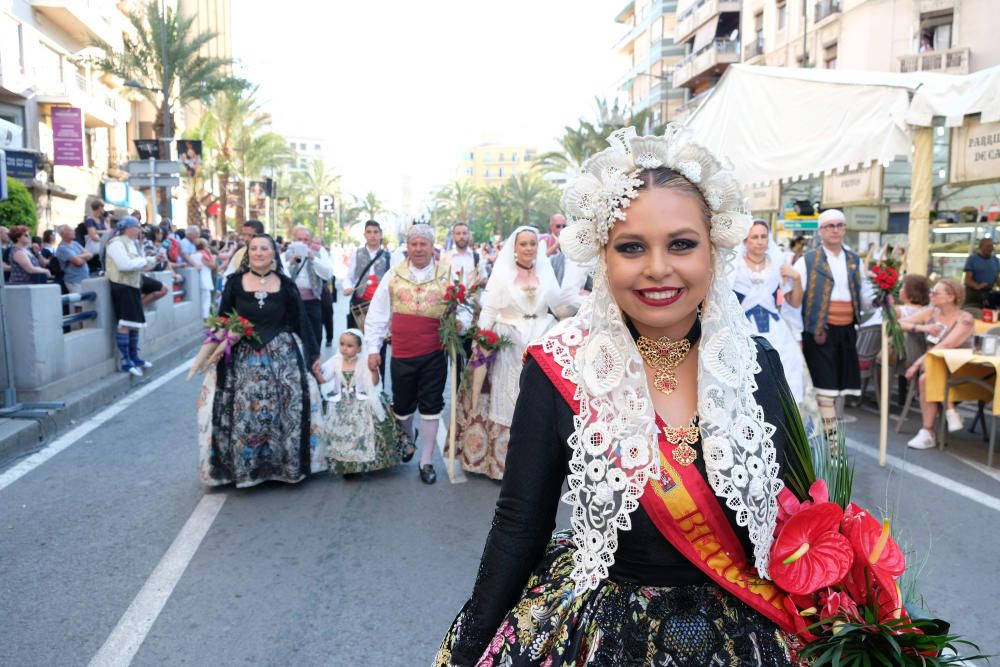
point(330, 572)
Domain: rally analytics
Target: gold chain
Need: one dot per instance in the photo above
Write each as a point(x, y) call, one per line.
point(664, 356)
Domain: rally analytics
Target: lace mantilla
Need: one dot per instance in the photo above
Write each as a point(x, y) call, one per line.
point(614, 443)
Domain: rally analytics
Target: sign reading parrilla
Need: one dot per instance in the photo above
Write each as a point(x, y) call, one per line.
point(975, 152)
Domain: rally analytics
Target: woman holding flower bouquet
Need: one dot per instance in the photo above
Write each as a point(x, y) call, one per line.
point(677, 433)
point(258, 411)
point(515, 310)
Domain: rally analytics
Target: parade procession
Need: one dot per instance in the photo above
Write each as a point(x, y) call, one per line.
point(673, 343)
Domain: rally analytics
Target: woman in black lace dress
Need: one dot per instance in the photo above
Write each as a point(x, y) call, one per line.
point(665, 417)
point(258, 409)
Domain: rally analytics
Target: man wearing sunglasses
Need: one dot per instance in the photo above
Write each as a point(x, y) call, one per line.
point(835, 290)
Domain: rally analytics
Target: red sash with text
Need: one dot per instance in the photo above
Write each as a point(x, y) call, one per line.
point(687, 513)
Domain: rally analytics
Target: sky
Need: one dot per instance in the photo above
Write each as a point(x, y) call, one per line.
point(399, 89)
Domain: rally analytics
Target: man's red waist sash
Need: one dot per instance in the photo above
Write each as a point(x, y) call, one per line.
point(414, 336)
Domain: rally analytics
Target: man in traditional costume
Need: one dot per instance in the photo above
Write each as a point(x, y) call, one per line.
point(368, 264)
point(835, 290)
point(574, 281)
point(309, 266)
point(410, 304)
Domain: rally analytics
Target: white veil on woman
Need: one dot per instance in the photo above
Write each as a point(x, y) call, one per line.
point(498, 293)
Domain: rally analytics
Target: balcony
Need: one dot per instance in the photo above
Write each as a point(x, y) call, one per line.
point(701, 11)
point(81, 19)
point(825, 8)
point(99, 104)
point(712, 60)
point(950, 61)
point(754, 48)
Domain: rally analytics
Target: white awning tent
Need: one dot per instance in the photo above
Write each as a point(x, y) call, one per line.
point(778, 123)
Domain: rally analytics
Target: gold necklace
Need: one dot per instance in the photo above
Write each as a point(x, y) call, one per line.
point(684, 437)
point(664, 356)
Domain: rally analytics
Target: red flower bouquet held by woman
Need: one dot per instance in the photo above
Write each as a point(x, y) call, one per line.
point(221, 334)
point(839, 568)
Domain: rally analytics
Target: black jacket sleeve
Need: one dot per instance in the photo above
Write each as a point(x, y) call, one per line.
point(525, 514)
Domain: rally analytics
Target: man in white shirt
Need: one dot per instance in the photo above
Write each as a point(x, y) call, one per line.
point(466, 264)
point(835, 291)
point(409, 303)
point(572, 277)
point(309, 265)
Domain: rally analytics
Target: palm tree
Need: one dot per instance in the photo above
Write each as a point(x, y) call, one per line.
point(577, 146)
point(456, 201)
point(237, 116)
point(260, 153)
point(164, 60)
point(308, 187)
point(371, 206)
point(529, 193)
point(495, 203)
point(202, 131)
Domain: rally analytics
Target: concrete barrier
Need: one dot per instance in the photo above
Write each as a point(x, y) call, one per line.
point(49, 364)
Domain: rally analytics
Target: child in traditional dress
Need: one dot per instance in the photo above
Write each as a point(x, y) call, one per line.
point(360, 431)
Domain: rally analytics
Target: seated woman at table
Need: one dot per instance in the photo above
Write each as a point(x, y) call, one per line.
point(914, 294)
point(946, 326)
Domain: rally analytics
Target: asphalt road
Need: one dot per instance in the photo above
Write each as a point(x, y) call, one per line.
point(333, 572)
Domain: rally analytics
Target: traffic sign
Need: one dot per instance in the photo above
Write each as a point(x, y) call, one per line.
point(147, 182)
point(326, 204)
point(158, 167)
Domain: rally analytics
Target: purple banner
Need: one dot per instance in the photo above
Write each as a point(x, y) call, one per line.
point(67, 136)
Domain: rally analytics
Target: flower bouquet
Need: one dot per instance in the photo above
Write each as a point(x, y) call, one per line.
point(886, 281)
point(486, 344)
point(449, 331)
point(840, 568)
point(221, 334)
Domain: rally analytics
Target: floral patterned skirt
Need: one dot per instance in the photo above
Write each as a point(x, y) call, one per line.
point(481, 443)
point(262, 421)
point(624, 625)
point(357, 442)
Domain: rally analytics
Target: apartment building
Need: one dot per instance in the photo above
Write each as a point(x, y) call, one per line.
point(306, 150)
point(947, 36)
point(650, 46)
point(44, 71)
point(709, 33)
point(493, 164)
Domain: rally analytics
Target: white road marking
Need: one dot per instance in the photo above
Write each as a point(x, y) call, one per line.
point(135, 624)
point(975, 495)
point(18, 471)
point(981, 467)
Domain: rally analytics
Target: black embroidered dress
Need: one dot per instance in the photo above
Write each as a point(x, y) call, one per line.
point(258, 411)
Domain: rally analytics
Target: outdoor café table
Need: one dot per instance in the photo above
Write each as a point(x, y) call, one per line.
point(960, 375)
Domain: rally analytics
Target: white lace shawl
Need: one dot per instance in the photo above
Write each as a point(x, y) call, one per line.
point(334, 380)
point(614, 443)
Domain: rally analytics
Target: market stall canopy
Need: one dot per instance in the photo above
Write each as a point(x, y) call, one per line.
point(779, 123)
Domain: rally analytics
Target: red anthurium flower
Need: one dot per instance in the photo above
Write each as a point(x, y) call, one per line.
point(872, 542)
point(789, 505)
point(809, 552)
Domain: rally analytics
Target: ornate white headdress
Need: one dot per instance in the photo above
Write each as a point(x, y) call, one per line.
point(614, 444)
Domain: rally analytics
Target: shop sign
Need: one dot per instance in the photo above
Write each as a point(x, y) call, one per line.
point(975, 152)
point(21, 165)
point(867, 218)
point(794, 225)
point(765, 198)
point(862, 186)
point(67, 136)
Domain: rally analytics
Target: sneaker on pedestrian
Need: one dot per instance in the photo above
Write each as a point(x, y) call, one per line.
point(924, 439)
point(955, 421)
point(141, 363)
point(134, 370)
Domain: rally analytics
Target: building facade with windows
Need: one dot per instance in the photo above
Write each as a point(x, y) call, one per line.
point(493, 164)
point(45, 65)
point(709, 33)
point(306, 150)
point(652, 52)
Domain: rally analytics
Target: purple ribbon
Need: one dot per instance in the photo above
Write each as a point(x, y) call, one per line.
point(480, 359)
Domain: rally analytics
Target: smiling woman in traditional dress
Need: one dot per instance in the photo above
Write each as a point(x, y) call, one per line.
point(258, 411)
point(516, 303)
point(648, 402)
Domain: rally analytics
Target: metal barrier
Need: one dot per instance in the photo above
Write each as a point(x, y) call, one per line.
point(83, 316)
